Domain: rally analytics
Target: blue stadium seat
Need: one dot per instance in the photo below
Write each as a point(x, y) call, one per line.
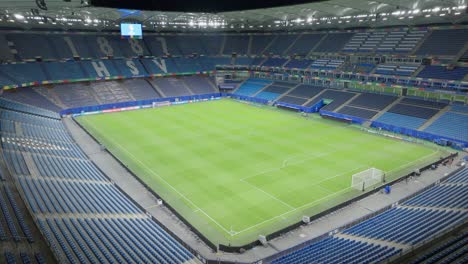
point(452, 125)
point(444, 42)
point(440, 72)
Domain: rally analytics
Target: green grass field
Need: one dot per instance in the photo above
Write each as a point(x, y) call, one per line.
point(236, 170)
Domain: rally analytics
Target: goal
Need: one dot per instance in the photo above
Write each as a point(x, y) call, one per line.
point(368, 178)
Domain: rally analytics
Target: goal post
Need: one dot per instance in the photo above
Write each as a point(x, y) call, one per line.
point(368, 178)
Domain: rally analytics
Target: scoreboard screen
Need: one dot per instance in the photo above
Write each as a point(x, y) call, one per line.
point(131, 31)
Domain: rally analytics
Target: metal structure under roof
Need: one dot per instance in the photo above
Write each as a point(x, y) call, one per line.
point(332, 14)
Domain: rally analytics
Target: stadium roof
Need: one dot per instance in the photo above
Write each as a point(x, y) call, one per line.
point(316, 15)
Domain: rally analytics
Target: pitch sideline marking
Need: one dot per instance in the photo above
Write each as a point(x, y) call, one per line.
point(305, 205)
point(293, 163)
point(168, 184)
point(233, 233)
point(268, 194)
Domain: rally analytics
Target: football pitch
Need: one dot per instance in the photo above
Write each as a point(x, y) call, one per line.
point(236, 171)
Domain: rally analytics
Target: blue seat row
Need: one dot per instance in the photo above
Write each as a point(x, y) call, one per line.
point(97, 240)
point(30, 96)
point(413, 110)
point(401, 120)
point(19, 215)
point(251, 86)
point(51, 166)
point(7, 104)
point(38, 146)
point(9, 219)
point(292, 100)
point(9, 258)
point(57, 196)
point(306, 91)
point(16, 161)
point(44, 132)
point(444, 251)
point(358, 112)
point(442, 196)
point(372, 101)
point(29, 118)
point(268, 95)
point(450, 124)
point(459, 177)
point(399, 224)
point(339, 250)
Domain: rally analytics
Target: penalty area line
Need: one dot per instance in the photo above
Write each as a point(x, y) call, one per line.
point(305, 205)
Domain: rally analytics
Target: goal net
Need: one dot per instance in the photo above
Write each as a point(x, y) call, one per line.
point(368, 178)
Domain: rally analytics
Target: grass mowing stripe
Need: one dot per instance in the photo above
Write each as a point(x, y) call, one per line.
point(226, 164)
point(168, 184)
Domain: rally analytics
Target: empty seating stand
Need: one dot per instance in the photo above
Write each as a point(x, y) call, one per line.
point(298, 64)
point(306, 91)
point(326, 64)
point(274, 62)
point(450, 251)
point(408, 224)
point(30, 96)
point(401, 120)
point(413, 225)
point(451, 124)
point(444, 42)
point(372, 101)
point(252, 86)
point(445, 196)
point(399, 70)
point(358, 112)
point(441, 72)
point(304, 44)
point(333, 42)
point(337, 97)
point(419, 111)
point(339, 250)
point(70, 185)
point(273, 91)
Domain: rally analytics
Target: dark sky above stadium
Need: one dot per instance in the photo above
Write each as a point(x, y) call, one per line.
point(196, 5)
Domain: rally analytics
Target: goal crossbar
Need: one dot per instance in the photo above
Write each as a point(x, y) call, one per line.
point(367, 178)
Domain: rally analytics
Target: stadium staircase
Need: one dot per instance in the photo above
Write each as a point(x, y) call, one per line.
point(394, 233)
point(46, 72)
point(261, 90)
point(267, 47)
point(49, 94)
point(157, 88)
point(460, 54)
point(416, 72)
point(249, 45)
point(82, 69)
point(314, 97)
point(346, 103)
point(383, 111)
point(223, 44)
point(240, 84)
point(213, 86)
point(188, 87)
point(420, 43)
point(311, 52)
point(383, 243)
point(434, 118)
point(292, 45)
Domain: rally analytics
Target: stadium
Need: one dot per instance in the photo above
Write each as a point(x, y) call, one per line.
point(332, 131)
